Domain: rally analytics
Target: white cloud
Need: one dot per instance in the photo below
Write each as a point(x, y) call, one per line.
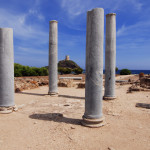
point(141, 28)
point(77, 7)
point(32, 11)
point(121, 30)
point(29, 50)
point(75, 10)
point(35, 13)
point(138, 5)
point(21, 28)
point(133, 43)
point(40, 17)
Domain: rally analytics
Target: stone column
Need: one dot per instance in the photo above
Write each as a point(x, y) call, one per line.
point(6, 70)
point(93, 116)
point(110, 57)
point(53, 72)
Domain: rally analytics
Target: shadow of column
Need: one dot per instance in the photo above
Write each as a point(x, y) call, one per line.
point(56, 117)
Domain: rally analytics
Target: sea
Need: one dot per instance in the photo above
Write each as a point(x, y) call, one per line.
point(132, 71)
point(136, 71)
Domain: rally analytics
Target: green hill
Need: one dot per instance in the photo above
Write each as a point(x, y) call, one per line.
point(67, 64)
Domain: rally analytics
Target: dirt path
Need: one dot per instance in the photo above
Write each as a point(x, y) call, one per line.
point(53, 123)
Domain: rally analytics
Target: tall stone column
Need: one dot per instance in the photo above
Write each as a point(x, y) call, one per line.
point(93, 116)
point(110, 57)
point(53, 72)
point(6, 70)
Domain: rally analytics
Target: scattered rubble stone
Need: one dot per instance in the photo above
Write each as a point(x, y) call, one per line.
point(81, 85)
point(25, 83)
point(66, 83)
point(143, 84)
point(143, 105)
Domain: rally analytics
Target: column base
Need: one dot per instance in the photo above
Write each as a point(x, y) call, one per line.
point(54, 94)
point(8, 110)
point(108, 98)
point(93, 123)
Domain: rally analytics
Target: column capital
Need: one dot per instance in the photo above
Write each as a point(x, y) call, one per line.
point(110, 14)
point(53, 21)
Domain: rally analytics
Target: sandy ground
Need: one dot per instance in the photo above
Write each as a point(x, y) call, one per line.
point(53, 123)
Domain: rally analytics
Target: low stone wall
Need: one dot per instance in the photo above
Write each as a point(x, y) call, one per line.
point(26, 83)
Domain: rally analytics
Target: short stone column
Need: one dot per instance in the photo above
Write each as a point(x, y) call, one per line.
point(53, 72)
point(6, 70)
point(110, 57)
point(93, 116)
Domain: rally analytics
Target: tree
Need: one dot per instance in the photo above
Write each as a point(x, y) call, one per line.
point(43, 71)
point(20, 70)
point(78, 70)
point(116, 69)
point(125, 72)
point(62, 70)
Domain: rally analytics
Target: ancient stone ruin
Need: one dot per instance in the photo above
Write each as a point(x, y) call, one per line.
point(6, 70)
point(110, 57)
point(143, 84)
point(67, 57)
point(53, 48)
point(93, 116)
point(26, 83)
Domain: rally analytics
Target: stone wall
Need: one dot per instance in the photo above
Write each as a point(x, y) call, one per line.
point(26, 83)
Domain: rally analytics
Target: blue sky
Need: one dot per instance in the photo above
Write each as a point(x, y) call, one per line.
point(30, 22)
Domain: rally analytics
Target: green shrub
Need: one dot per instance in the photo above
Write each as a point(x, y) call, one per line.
point(43, 71)
point(116, 69)
point(20, 70)
point(125, 72)
point(78, 70)
point(17, 73)
point(67, 70)
point(26, 71)
point(62, 70)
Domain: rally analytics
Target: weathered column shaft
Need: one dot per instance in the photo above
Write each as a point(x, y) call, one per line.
point(6, 68)
point(110, 56)
point(53, 72)
point(93, 116)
